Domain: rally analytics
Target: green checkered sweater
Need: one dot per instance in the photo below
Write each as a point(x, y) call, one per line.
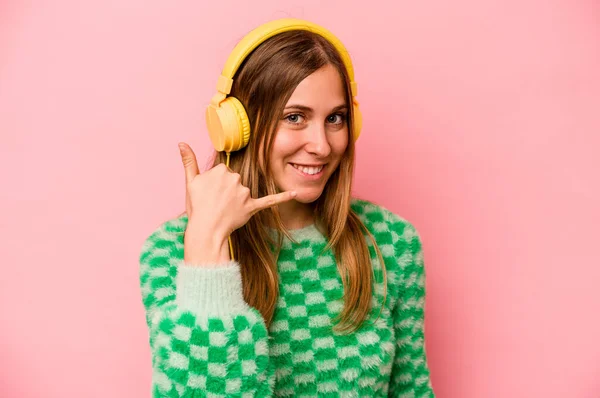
point(206, 341)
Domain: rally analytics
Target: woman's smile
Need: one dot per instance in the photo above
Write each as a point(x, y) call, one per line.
point(309, 172)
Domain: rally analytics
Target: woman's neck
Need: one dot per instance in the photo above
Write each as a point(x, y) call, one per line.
point(296, 215)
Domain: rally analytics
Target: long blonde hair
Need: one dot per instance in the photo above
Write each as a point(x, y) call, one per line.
point(264, 83)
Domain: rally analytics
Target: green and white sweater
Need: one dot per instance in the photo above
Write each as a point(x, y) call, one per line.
point(207, 341)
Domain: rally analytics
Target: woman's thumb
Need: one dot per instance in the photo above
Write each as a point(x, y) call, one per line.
point(189, 162)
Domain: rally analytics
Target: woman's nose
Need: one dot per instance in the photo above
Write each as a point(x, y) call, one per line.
point(318, 144)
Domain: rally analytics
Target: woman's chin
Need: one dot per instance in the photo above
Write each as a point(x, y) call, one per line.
point(308, 196)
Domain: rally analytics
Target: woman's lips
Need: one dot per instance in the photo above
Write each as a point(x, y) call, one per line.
point(305, 171)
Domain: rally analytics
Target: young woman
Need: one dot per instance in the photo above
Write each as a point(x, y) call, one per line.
point(275, 281)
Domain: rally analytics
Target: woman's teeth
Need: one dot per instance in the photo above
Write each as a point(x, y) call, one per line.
point(308, 170)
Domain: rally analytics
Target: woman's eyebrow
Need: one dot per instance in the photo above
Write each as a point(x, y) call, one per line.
point(308, 109)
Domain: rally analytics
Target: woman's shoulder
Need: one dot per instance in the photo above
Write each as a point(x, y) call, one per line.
point(392, 232)
point(168, 233)
point(379, 218)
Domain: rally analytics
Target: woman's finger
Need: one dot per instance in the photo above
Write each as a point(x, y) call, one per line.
point(271, 200)
point(189, 162)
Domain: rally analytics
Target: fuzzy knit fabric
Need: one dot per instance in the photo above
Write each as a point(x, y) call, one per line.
point(206, 341)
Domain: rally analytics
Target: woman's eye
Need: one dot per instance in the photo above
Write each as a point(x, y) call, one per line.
point(337, 118)
point(294, 118)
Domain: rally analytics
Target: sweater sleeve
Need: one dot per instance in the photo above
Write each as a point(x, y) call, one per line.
point(410, 372)
point(205, 340)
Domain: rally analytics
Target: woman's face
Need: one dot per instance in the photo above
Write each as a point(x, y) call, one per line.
point(312, 135)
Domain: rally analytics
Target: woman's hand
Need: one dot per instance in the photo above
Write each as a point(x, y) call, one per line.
point(217, 204)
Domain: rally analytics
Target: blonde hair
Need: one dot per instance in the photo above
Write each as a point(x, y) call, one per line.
point(264, 83)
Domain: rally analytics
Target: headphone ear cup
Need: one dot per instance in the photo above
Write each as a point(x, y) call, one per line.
point(228, 125)
point(240, 135)
point(357, 120)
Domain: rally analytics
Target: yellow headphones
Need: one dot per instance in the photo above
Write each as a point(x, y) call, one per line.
point(226, 118)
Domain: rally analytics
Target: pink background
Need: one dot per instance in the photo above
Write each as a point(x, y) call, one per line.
point(482, 125)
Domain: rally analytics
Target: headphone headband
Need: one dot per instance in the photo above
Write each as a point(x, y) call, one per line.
point(268, 30)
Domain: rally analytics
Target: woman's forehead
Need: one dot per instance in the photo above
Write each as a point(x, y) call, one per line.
point(323, 89)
